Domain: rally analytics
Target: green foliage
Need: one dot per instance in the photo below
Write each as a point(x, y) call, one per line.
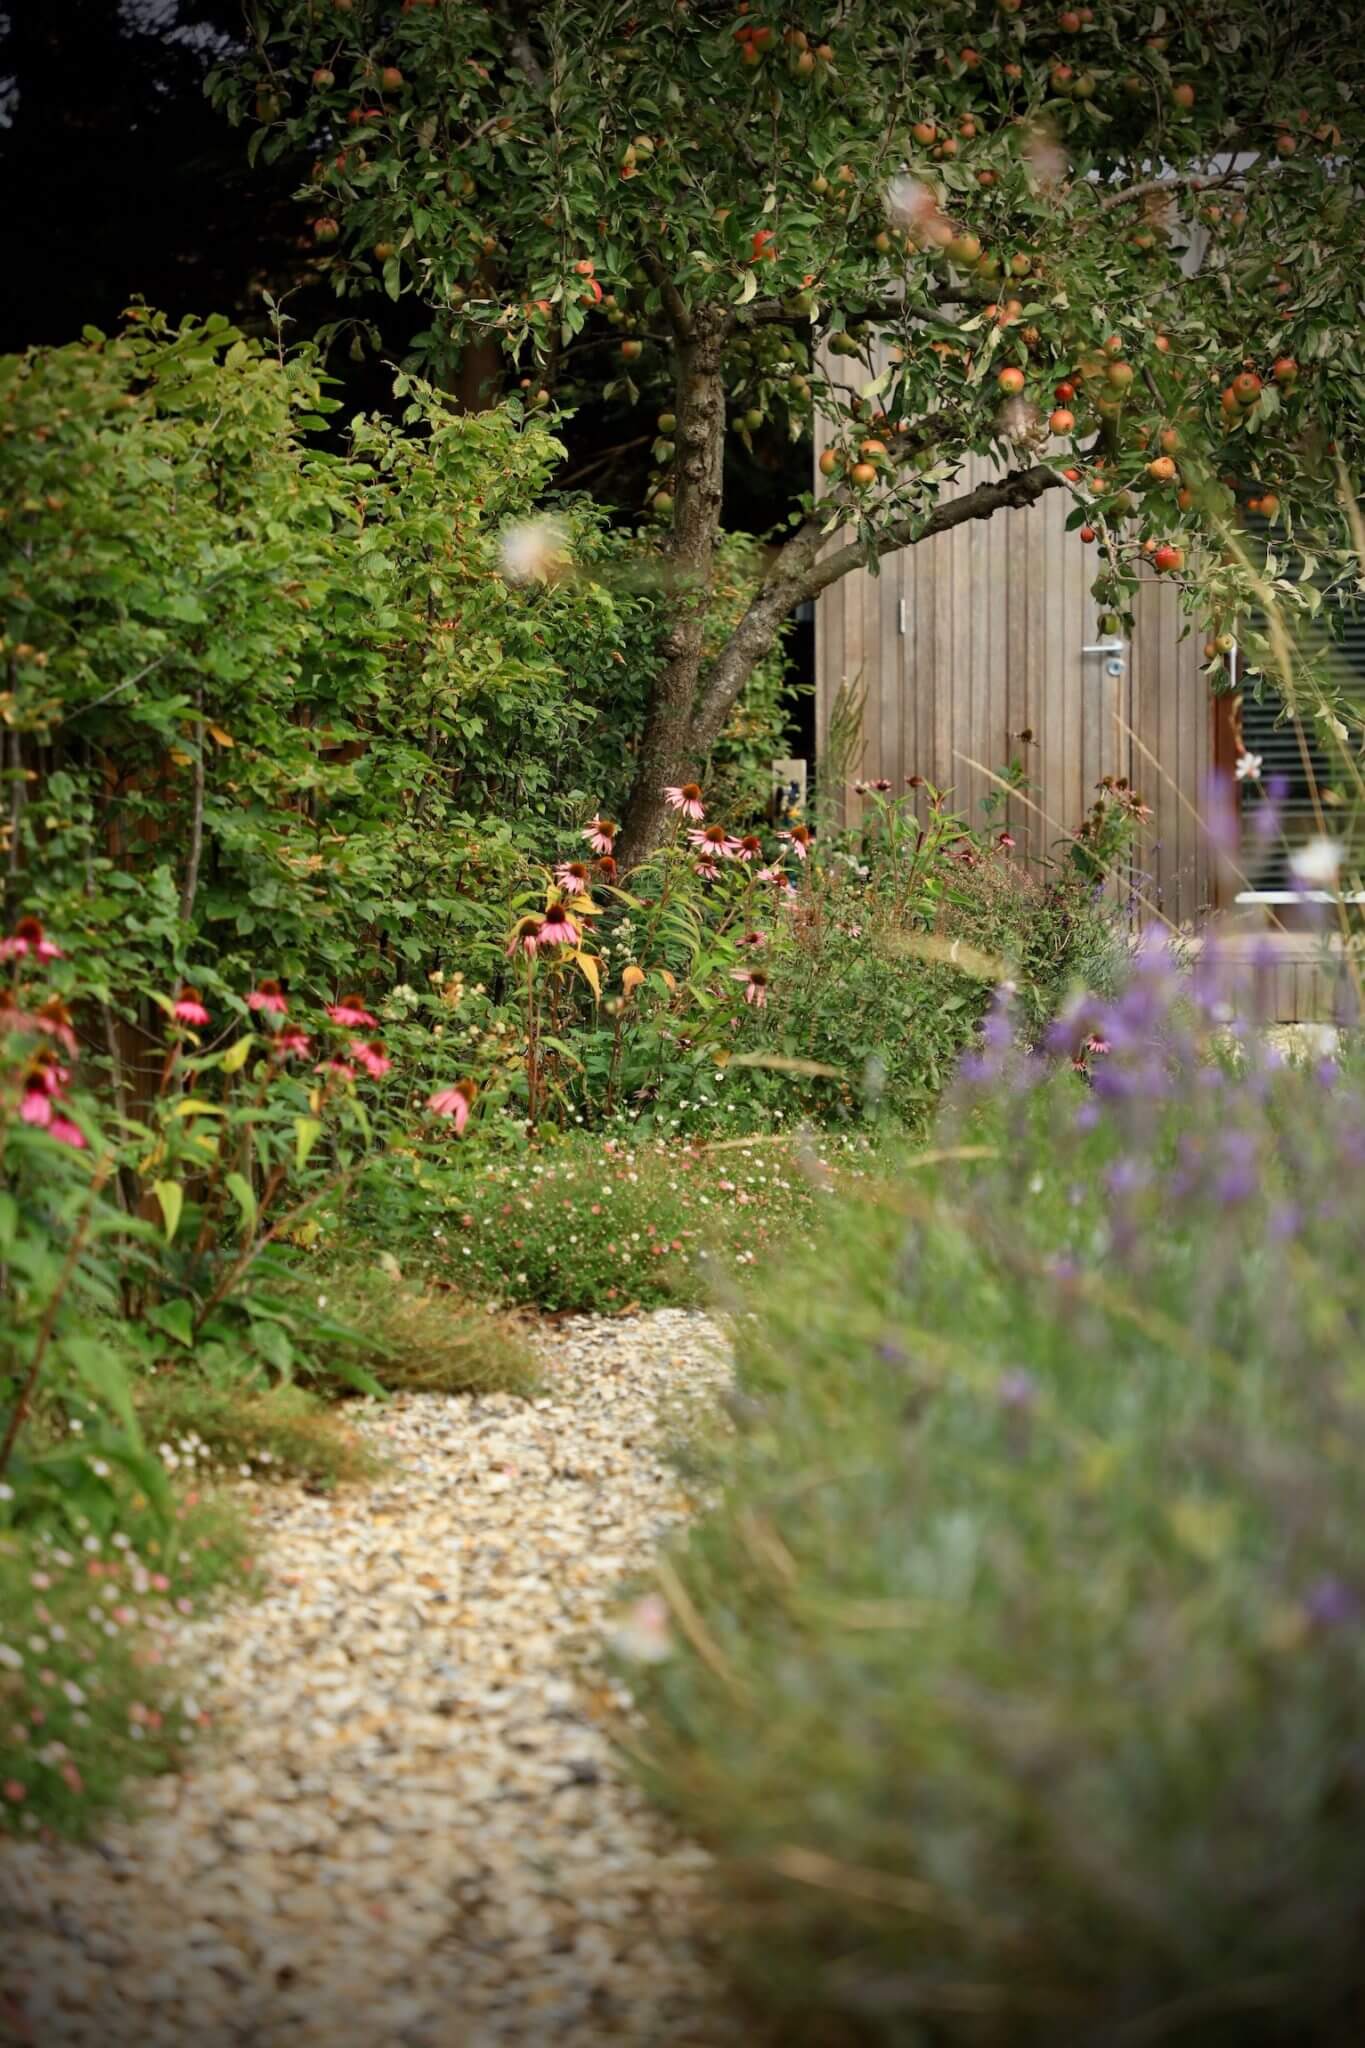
point(1157, 204)
point(274, 697)
point(1015, 1676)
point(90, 1694)
point(883, 972)
point(221, 1425)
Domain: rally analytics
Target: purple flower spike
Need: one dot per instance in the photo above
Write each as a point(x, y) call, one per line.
point(1331, 1603)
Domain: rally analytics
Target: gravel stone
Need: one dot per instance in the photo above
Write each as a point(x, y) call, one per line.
point(411, 1829)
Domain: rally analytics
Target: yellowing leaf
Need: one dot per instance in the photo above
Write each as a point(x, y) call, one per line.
point(196, 1105)
point(224, 739)
point(307, 1131)
point(171, 1196)
point(181, 760)
point(234, 1059)
point(588, 968)
point(1204, 1527)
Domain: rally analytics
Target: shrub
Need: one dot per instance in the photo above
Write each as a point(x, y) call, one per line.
point(597, 1224)
point(1016, 1678)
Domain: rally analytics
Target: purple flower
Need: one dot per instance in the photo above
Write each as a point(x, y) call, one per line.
point(1018, 1389)
point(1283, 1222)
point(1127, 1177)
point(1331, 1603)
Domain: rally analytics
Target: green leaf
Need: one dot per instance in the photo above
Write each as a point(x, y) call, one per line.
point(175, 1319)
point(353, 1375)
point(240, 1188)
point(102, 1371)
point(235, 1058)
point(307, 1131)
point(171, 1196)
point(9, 1221)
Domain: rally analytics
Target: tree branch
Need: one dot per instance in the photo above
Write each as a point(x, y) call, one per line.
point(675, 304)
point(798, 573)
point(1147, 187)
point(1012, 492)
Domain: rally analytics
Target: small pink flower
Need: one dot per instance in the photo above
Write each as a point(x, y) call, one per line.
point(335, 1065)
point(754, 940)
point(187, 1008)
point(351, 1012)
point(707, 871)
point(453, 1102)
point(371, 1056)
point(525, 938)
point(36, 1108)
point(715, 843)
point(291, 1043)
point(755, 984)
point(557, 928)
point(1005, 840)
point(772, 873)
point(881, 785)
point(14, 1791)
point(66, 1133)
point(573, 877)
point(600, 834)
point(607, 870)
point(685, 797)
point(28, 940)
point(800, 838)
point(268, 996)
point(750, 847)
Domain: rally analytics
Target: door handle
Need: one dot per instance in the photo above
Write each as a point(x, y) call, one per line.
point(1114, 649)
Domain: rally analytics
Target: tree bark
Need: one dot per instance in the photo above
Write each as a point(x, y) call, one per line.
point(668, 746)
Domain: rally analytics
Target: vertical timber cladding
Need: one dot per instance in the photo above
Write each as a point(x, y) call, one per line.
point(996, 614)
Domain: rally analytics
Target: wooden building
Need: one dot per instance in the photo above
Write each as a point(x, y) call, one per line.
point(989, 631)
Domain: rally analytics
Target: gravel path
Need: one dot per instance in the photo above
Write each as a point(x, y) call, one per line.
point(412, 1832)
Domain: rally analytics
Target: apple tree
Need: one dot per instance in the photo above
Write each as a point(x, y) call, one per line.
point(1117, 248)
